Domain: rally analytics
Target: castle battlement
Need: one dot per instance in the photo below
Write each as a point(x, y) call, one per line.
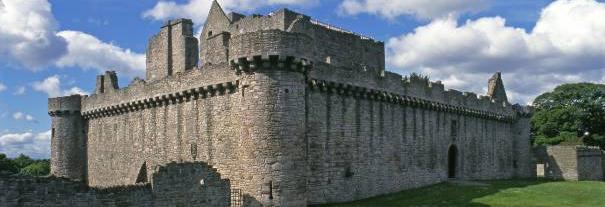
point(67, 104)
point(300, 36)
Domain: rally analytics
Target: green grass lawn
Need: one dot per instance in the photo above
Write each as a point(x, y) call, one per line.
point(495, 194)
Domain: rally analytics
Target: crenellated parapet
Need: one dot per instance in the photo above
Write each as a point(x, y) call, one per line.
point(64, 105)
point(416, 86)
point(405, 100)
point(271, 42)
point(163, 100)
point(271, 62)
point(287, 33)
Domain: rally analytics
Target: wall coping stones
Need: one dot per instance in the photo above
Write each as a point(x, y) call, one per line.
point(163, 99)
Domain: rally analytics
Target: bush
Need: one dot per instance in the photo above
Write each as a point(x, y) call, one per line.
point(40, 168)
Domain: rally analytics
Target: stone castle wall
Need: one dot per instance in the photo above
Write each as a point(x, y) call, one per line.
point(173, 185)
point(571, 162)
point(359, 120)
point(294, 112)
point(200, 121)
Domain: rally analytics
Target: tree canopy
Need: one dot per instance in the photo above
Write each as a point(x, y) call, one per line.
point(23, 165)
point(570, 114)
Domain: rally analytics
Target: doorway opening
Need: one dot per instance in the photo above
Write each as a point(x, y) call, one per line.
point(452, 157)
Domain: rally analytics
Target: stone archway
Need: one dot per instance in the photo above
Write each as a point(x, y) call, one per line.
point(452, 161)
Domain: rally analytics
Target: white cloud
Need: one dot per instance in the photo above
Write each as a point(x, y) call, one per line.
point(566, 45)
point(2, 87)
point(30, 36)
point(20, 90)
point(197, 10)
point(422, 9)
point(28, 32)
point(86, 51)
point(52, 87)
point(20, 116)
point(36, 145)
point(49, 86)
point(75, 90)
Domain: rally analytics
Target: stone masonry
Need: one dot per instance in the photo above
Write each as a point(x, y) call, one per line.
point(176, 184)
point(292, 111)
point(571, 162)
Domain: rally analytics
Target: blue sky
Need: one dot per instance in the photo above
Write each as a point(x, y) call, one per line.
point(55, 48)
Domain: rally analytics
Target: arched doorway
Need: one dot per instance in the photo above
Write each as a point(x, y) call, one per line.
point(452, 157)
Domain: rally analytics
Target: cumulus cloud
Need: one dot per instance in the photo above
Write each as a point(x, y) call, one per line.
point(2, 87)
point(566, 45)
point(197, 10)
point(422, 9)
point(36, 145)
point(30, 36)
point(52, 87)
point(86, 51)
point(20, 116)
point(28, 32)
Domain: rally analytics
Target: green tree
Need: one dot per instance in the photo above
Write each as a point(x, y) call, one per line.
point(7, 166)
point(23, 161)
point(572, 113)
point(39, 168)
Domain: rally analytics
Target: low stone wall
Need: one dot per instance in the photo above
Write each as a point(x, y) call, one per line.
point(177, 184)
point(590, 165)
point(62, 192)
point(571, 162)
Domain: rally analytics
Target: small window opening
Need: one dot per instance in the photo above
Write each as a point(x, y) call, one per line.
point(209, 33)
point(329, 60)
point(271, 190)
point(193, 151)
point(286, 91)
point(348, 172)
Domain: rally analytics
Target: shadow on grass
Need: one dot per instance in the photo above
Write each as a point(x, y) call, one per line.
point(442, 195)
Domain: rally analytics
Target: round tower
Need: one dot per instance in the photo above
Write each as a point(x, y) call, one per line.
point(68, 138)
point(275, 128)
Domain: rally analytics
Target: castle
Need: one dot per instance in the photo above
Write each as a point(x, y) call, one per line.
point(289, 110)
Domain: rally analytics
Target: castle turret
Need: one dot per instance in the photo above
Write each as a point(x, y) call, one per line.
point(68, 139)
point(174, 49)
